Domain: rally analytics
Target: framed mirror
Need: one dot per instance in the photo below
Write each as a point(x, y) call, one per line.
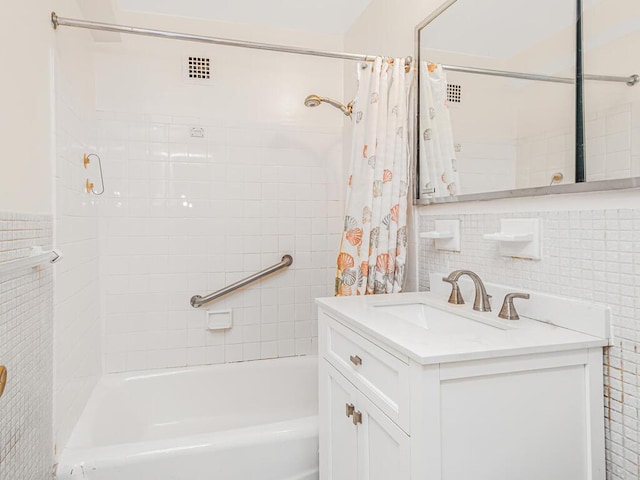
point(502, 107)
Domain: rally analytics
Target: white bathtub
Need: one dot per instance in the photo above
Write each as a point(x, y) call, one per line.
point(242, 421)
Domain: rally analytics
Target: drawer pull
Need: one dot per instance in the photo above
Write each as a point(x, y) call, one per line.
point(350, 409)
point(356, 360)
point(357, 417)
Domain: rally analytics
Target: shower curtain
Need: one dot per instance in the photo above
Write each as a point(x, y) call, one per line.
point(373, 248)
point(438, 171)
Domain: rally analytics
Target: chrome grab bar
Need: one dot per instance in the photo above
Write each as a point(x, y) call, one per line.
point(197, 301)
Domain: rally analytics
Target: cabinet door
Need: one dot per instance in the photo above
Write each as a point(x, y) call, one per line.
point(383, 448)
point(338, 434)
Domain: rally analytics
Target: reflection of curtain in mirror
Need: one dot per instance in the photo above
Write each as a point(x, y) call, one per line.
point(438, 170)
point(373, 248)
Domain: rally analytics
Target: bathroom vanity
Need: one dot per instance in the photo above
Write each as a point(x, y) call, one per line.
point(414, 388)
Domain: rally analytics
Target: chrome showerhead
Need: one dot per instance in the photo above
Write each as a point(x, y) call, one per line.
point(315, 100)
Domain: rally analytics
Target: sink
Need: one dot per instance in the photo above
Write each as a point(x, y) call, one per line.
point(436, 319)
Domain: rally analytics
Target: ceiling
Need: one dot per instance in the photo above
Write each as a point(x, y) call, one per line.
point(323, 16)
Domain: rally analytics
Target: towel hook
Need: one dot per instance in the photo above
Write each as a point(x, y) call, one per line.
point(89, 185)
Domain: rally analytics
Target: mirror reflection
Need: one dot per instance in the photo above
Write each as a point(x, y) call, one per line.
point(611, 39)
point(496, 100)
point(498, 103)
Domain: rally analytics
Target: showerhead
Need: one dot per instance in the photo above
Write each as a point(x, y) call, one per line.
point(312, 101)
point(315, 100)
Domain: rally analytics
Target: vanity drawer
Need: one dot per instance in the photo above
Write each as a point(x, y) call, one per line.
point(383, 377)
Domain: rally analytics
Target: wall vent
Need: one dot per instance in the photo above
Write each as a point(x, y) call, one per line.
point(454, 93)
point(198, 68)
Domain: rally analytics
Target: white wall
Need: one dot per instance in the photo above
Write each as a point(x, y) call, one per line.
point(77, 323)
point(26, 178)
point(186, 215)
point(25, 116)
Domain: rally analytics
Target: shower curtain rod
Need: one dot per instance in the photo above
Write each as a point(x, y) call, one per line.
point(110, 27)
point(630, 80)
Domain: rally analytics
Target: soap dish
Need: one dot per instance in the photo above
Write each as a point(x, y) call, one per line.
point(446, 235)
point(519, 238)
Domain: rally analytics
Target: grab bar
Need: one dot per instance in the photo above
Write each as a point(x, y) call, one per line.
point(197, 301)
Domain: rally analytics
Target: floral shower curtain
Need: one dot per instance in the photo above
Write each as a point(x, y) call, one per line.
point(438, 171)
point(373, 249)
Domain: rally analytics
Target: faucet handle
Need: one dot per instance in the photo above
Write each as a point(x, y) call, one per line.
point(508, 310)
point(455, 297)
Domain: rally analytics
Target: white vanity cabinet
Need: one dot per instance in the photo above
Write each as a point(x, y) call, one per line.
point(389, 411)
point(362, 442)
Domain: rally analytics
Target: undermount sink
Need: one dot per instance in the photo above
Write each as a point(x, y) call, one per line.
point(438, 320)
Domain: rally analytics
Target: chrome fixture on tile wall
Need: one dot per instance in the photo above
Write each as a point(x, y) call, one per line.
point(89, 186)
point(316, 100)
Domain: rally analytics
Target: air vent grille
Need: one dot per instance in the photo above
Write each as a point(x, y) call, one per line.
point(454, 93)
point(199, 68)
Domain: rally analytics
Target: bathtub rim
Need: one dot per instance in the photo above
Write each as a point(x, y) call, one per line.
point(134, 375)
point(300, 428)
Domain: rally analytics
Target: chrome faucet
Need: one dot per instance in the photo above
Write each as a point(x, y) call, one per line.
point(481, 302)
point(508, 311)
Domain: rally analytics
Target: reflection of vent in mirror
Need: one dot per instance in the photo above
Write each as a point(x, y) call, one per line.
point(454, 93)
point(199, 68)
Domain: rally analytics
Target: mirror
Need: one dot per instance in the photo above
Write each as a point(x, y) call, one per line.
point(497, 98)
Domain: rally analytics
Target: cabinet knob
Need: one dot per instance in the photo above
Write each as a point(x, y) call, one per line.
point(356, 360)
point(357, 417)
point(350, 409)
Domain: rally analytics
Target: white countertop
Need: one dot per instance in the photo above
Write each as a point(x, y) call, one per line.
point(462, 339)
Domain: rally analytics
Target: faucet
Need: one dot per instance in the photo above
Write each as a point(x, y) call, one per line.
point(481, 302)
point(508, 311)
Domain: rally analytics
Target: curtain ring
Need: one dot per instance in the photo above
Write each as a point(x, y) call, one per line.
point(407, 63)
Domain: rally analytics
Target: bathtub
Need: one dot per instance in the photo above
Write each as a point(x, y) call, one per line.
point(241, 421)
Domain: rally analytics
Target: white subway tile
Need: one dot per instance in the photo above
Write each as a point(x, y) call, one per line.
point(196, 356)
point(269, 350)
point(286, 348)
point(177, 357)
point(254, 218)
point(251, 351)
point(233, 353)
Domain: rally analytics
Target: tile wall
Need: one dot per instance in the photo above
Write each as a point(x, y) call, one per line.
point(613, 142)
point(540, 157)
point(477, 159)
point(612, 146)
point(26, 306)
point(77, 323)
point(592, 255)
point(193, 204)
